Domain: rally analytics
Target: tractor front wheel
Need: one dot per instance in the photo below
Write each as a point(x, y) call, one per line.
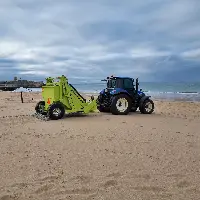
point(56, 111)
point(147, 107)
point(103, 109)
point(121, 105)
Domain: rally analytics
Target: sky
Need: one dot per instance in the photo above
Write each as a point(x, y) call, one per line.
point(155, 40)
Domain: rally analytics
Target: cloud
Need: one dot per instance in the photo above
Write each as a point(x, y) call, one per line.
point(92, 39)
point(192, 54)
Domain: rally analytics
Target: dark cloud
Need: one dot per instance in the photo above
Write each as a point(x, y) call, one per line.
point(156, 40)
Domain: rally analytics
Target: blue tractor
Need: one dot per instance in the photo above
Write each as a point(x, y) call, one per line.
point(122, 96)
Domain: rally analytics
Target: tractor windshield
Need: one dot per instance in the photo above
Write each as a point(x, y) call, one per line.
point(111, 83)
point(115, 83)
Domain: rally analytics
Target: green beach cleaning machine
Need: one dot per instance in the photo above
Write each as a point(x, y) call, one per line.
point(60, 97)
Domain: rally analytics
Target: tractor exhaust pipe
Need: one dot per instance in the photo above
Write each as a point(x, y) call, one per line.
point(136, 85)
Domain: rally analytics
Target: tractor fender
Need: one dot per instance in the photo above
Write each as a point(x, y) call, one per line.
point(143, 99)
point(118, 91)
point(116, 94)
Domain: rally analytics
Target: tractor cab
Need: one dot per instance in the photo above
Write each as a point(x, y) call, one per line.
point(120, 82)
point(115, 84)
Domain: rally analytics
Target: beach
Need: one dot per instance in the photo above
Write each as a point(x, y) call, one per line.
point(99, 156)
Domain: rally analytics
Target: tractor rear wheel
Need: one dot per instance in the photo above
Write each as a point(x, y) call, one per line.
point(147, 107)
point(56, 111)
point(121, 105)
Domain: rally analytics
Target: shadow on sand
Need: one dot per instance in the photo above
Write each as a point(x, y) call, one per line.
point(99, 114)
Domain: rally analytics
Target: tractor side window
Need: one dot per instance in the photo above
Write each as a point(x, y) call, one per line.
point(119, 83)
point(128, 83)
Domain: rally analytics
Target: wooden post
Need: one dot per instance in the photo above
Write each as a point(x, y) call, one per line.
point(22, 98)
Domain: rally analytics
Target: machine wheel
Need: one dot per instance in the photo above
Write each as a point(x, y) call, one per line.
point(56, 111)
point(121, 105)
point(147, 107)
point(39, 108)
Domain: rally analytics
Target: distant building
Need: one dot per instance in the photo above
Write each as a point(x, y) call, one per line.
point(12, 85)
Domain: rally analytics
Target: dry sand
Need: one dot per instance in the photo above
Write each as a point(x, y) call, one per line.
point(99, 156)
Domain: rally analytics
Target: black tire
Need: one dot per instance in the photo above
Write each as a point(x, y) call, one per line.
point(134, 109)
point(143, 107)
point(60, 111)
point(39, 108)
point(115, 109)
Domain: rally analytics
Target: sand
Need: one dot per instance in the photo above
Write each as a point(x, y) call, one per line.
point(99, 156)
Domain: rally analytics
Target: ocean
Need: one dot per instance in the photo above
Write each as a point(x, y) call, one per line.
point(158, 91)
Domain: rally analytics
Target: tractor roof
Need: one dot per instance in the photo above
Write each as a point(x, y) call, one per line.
point(120, 77)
